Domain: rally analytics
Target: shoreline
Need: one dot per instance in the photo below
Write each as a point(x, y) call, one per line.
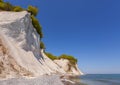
point(42, 80)
point(71, 80)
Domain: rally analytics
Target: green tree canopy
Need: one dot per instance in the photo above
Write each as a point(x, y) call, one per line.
point(33, 10)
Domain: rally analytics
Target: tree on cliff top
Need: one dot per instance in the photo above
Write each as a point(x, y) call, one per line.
point(33, 10)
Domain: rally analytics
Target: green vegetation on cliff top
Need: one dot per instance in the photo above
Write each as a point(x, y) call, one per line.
point(72, 59)
point(51, 56)
point(42, 46)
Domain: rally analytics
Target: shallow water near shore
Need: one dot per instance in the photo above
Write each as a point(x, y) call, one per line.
point(100, 79)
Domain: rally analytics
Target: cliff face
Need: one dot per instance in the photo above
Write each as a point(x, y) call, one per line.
point(20, 53)
point(68, 67)
point(19, 48)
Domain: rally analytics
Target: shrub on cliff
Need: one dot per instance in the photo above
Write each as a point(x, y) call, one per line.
point(1, 0)
point(42, 46)
point(72, 60)
point(51, 56)
point(33, 10)
point(6, 6)
point(18, 9)
point(2, 6)
point(37, 26)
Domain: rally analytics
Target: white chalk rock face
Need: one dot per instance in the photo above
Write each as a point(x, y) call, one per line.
point(68, 68)
point(52, 67)
point(20, 53)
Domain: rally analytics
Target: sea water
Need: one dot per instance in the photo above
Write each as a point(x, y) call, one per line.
point(100, 79)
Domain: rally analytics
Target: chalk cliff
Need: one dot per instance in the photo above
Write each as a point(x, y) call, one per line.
point(68, 67)
point(20, 53)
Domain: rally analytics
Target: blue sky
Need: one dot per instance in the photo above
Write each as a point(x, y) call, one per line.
point(86, 29)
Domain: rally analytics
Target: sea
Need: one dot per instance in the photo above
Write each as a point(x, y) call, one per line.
point(100, 79)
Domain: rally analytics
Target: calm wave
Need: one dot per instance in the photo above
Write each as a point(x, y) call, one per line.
point(101, 79)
